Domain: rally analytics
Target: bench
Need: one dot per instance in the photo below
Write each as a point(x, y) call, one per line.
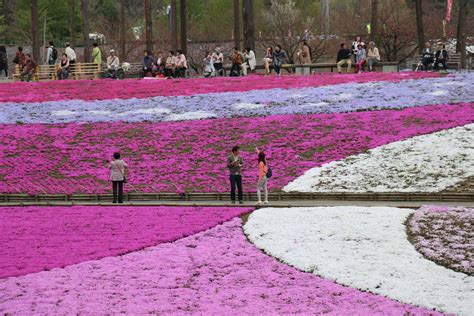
point(454, 61)
point(42, 72)
point(86, 71)
point(323, 67)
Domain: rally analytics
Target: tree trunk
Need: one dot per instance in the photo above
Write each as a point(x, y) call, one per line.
point(374, 24)
point(148, 26)
point(123, 27)
point(183, 27)
point(249, 25)
point(461, 33)
point(237, 23)
point(8, 8)
point(419, 25)
point(72, 23)
point(85, 29)
point(35, 30)
point(174, 26)
point(325, 17)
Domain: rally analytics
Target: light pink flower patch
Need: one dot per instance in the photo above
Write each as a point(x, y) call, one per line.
point(41, 238)
point(214, 272)
point(190, 156)
point(445, 235)
point(125, 89)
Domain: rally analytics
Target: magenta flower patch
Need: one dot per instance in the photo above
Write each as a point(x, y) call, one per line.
point(34, 239)
point(215, 272)
point(190, 156)
point(126, 89)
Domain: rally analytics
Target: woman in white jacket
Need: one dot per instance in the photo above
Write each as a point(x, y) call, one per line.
point(250, 61)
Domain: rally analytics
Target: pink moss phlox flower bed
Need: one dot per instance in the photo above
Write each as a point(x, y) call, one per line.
point(166, 157)
point(125, 89)
point(190, 156)
point(41, 238)
point(445, 235)
point(216, 272)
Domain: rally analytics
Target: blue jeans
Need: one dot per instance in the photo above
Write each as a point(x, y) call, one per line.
point(236, 180)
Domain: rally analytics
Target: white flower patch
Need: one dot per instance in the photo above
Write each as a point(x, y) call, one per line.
point(439, 92)
point(315, 105)
point(63, 113)
point(361, 247)
point(427, 163)
point(248, 106)
point(198, 115)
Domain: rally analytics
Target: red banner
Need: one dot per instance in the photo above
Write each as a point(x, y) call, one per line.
point(449, 10)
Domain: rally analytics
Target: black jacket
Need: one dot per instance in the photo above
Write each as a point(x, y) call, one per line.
point(344, 53)
point(441, 54)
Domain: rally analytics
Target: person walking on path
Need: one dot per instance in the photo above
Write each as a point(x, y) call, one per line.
point(343, 57)
point(234, 163)
point(96, 55)
point(117, 176)
point(51, 54)
point(262, 170)
point(3, 61)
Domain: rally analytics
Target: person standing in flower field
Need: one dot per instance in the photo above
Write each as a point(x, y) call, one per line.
point(234, 163)
point(117, 176)
point(262, 170)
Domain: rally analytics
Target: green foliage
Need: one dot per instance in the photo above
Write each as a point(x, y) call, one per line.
point(54, 12)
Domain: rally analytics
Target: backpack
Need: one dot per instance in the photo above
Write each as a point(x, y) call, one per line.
point(269, 173)
point(54, 55)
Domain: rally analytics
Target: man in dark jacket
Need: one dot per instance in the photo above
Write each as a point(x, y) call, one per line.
point(234, 163)
point(344, 57)
point(441, 57)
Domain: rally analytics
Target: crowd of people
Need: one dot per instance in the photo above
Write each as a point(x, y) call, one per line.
point(175, 64)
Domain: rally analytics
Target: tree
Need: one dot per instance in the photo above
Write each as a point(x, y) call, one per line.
point(419, 25)
point(72, 22)
point(123, 26)
point(85, 29)
point(184, 27)
point(8, 20)
point(461, 32)
point(325, 20)
point(374, 23)
point(249, 25)
point(237, 23)
point(285, 25)
point(148, 26)
point(174, 25)
point(35, 30)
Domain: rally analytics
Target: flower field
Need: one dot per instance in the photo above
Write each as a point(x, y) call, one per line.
point(445, 235)
point(375, 132)
point(212, 272)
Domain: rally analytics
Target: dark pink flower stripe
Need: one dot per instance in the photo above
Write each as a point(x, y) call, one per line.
point(41, 238)
point(126, 89)
point(171, 157)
